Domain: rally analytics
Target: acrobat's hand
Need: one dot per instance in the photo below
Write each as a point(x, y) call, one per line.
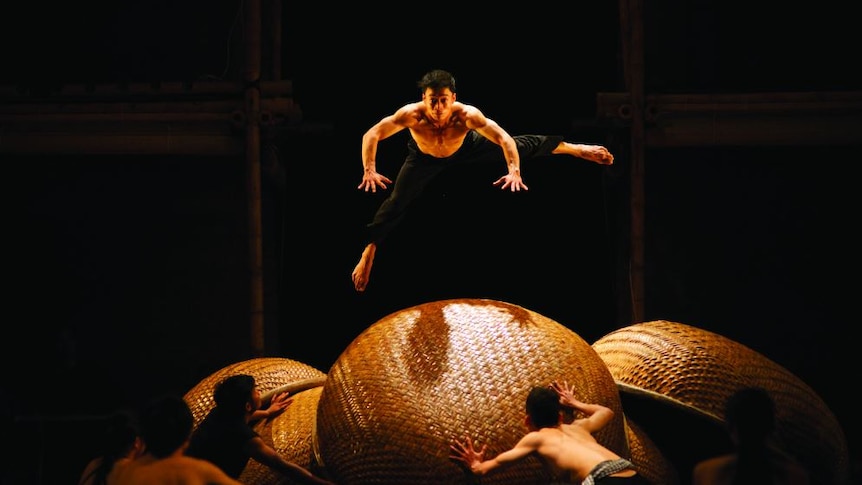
point(512, 181)
point(278, 404)
point(371, 180)
point(565, 392)
point(464, 452)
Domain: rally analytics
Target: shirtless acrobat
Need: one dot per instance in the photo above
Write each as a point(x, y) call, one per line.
point(445, 132)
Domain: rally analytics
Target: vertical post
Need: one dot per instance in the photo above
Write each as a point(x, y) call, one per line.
point(275, 18)
point(251, 77)
point(631, 23)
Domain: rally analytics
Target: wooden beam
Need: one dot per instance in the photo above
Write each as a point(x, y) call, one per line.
point(744, 119)
point(199, 120)
point(159, 89)
point(164, 143)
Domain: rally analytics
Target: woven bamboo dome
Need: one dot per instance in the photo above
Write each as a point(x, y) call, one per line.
point(418, 378)
point(271, 374)
point(697, 371)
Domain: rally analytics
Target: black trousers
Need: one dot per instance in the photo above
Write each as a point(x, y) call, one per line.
point(419, 169)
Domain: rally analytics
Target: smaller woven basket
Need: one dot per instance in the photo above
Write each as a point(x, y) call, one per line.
point(289, 433)
point(270, 374)
point(697, 371)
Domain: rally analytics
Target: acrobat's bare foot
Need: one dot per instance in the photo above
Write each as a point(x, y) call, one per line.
point(592, 153)
point(362, 271)
point(598, 154)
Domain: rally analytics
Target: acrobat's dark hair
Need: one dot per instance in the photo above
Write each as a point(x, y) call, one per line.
point(121, 432)
point(234, 392)
point(543, 407)
point(166, 423)
point(751, 412)
point(436, 80)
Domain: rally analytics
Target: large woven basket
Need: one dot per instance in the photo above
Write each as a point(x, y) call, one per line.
point(697, 371)
point(417, 379)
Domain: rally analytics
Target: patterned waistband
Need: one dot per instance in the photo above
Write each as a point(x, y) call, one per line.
point(606, 469)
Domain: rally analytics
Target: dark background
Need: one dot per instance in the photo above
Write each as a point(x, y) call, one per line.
point(128, 275)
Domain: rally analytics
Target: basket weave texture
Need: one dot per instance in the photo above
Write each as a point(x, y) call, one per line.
point(698, 370)
point(417, 379)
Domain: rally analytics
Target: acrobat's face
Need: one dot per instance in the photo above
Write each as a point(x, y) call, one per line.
point(255, 402)
point(438, 103)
